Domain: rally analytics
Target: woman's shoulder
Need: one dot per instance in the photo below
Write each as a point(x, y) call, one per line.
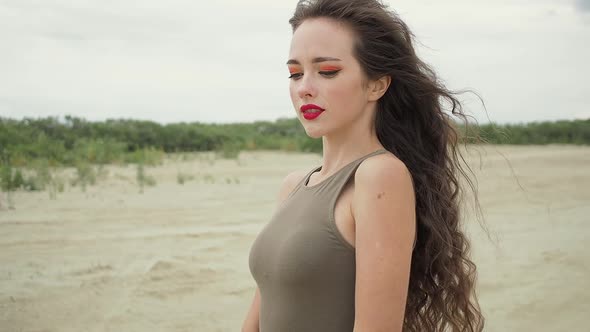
point(384, 192)
point(383, 170)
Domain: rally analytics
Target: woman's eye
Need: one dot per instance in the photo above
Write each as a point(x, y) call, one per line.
point(330, 73)
point(326, 73)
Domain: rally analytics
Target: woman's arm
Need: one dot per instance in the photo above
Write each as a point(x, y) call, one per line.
point(251, 323)
point(384, 211)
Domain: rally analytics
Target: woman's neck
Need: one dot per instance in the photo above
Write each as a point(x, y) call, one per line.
point(339, 152)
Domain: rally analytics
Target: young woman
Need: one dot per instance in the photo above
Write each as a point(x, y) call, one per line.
point(370, 240)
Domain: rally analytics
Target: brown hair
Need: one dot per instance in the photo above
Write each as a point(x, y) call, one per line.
point(410, 122)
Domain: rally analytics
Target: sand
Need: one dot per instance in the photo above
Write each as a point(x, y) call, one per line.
point(175, 257)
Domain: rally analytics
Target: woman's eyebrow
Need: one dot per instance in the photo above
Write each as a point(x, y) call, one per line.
point(315, 60)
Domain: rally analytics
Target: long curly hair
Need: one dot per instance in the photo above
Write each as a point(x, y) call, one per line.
point(412, 124)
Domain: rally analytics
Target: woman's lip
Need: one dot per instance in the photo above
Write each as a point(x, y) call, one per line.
point(311, 115)
point(306, 107)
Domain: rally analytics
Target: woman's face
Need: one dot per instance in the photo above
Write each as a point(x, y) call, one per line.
point(325, 73)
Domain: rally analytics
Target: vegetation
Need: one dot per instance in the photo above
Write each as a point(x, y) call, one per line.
point(74, 140)
point(71, 140)
point(144, 179)
point(32, 149)
point(181, 177)
point(535, 133)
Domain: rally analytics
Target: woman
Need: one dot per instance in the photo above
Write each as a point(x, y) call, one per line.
point(370, 240)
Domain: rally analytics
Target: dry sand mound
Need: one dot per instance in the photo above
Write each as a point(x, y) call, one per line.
point(175, 258)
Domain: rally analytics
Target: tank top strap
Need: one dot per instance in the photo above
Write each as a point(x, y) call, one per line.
point(342, 177)
point(331, 180)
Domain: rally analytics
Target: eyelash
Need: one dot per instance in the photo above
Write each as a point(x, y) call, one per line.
point(330, 74)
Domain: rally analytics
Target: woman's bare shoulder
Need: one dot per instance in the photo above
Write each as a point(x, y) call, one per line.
point(382, 171)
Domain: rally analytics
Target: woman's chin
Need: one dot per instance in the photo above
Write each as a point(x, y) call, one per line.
point(314, 132)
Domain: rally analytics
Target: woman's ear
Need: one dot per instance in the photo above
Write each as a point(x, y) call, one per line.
point(377, 88)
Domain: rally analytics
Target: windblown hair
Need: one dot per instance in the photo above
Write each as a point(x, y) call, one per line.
point(411, 123)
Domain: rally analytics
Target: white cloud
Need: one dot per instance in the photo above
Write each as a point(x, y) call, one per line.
point(224, 61)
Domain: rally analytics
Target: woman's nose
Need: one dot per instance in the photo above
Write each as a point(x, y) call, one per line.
point(306, 87)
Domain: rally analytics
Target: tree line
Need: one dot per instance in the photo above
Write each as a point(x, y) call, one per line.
point(71, 139)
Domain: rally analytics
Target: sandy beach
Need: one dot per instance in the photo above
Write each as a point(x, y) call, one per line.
point(175, 257)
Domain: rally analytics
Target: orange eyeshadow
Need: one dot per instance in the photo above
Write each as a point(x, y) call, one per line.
point(329, 68)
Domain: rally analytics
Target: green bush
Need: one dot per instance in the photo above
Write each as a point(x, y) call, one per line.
point(181, 178)
point(72, 140)
point(230, 150)
point(85, 175)
point(147, 156)
point(143, 179)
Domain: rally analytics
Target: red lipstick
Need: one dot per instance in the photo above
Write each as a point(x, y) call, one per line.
point(311, 111)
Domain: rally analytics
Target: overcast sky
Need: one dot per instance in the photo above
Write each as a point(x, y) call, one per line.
point(224, 61)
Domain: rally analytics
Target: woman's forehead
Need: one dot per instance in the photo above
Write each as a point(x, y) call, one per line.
point(321, 37)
